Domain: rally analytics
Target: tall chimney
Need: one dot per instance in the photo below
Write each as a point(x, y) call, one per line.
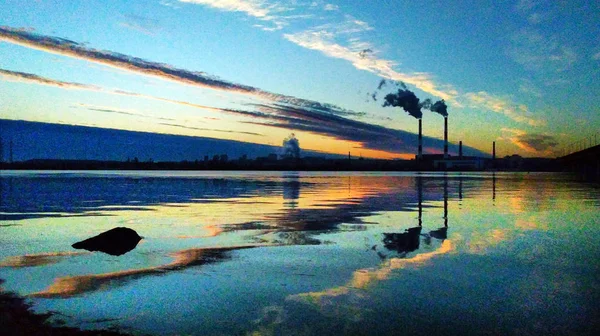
point(460, 150)
point(445, 138)
point(494, 150)
point(420, 154)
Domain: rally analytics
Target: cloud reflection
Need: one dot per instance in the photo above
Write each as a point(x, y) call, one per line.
point(69, 286)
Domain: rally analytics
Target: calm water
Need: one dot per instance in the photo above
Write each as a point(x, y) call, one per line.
point(278, 253)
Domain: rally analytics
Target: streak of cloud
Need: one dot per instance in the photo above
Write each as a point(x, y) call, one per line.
point(24, 77)
point(137, 65)
point(535, 51)
point(259, 9)
point(314, 117)
point(117, 111)
point(504, 106)
point(141, 24)
point(369, 136)
point(211, 129)
point(535, 143)
point(323, 41)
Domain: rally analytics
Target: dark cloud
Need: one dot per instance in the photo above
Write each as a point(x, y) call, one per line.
point(370, 136)
point(365, 53)
point(28, 77)
point(538, 142)
point(71, 48)
point(211, 129)
point(110, 110)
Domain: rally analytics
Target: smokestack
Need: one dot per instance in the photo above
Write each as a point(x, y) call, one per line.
point(460, 150)
point(420, 154)
point(494, 150)
point(445, 138)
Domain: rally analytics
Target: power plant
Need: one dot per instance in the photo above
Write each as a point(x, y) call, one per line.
point(410, 103)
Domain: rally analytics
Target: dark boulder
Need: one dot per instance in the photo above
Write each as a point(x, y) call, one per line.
point(115, 242)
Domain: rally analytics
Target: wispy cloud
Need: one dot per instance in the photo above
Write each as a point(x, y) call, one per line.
point(105, 109)
point(537, 52)
point(527, 87)
point(343, 40)
point(323, 40)
point(140, 24)
point(137, 65)
point(211, 129)
point(505, 106)
point(596, 56)
point(535, 143)
point(24, 77)
point(259, 9)
point(331, 7)
point(313, 118)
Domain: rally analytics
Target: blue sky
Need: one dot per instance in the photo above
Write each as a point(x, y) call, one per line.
point(522, 73)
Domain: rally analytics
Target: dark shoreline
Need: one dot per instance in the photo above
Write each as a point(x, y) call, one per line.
point(16, 318)
point(265, 164)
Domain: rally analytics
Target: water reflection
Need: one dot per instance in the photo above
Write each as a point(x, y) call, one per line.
point(65, 287)
point(283, 246)
point(409, 240)
point(291, 189)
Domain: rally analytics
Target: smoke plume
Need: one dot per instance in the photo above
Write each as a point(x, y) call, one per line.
point(291, 147)
point(407, 100)
point(440, 107)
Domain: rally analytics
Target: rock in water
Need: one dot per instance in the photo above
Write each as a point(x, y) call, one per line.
point(115, 242)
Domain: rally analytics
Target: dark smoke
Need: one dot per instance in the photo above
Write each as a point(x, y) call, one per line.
point(407, 100)
point(364, 53)
point(291, 147)
point(440, 107)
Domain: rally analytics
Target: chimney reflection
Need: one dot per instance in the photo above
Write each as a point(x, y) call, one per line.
point(494, 188)
point(409, 240)
point(420, 196)
point(442, 233)
point(291, 190)
point(460, 187)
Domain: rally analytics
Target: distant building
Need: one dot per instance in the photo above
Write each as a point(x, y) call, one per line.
point(437, 161)
point(513, 161)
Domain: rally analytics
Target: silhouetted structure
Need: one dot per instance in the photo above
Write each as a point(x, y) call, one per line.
point(117, 241)
point(404, 242)
point(442, 233)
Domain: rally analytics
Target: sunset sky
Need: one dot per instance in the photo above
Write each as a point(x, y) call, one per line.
point(523, 73)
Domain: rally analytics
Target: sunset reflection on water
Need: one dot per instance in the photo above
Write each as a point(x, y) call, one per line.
point(305, 251)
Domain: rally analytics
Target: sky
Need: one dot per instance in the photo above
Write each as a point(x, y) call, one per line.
point(523, 73)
